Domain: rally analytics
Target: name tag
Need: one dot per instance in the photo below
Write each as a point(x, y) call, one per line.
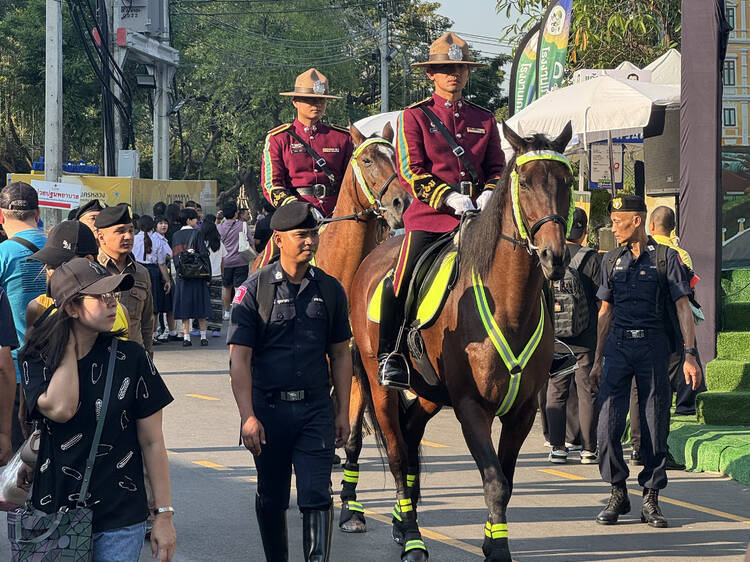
point(334, 149)
point(283, 301)
point(475, 130)
point(317, 299)
point(296, 145)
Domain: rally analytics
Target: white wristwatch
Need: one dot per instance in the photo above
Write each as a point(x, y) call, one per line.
point(168, 509)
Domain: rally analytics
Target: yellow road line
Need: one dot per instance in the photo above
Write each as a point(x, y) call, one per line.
point(431, 444)
point(562, 474)
point(209, 464)
point(202, 396)
point(687, 505)
point(434, 535)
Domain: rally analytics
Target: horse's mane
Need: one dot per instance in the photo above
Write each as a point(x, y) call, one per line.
point(483, 234)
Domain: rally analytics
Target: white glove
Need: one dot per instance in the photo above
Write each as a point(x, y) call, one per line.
point(483, 199)
point(459, 203)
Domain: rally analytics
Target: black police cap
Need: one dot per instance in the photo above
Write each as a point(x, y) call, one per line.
point(627, 203)
point(90, 207)
point(111, 216)
point(580, 220)
point(295, 215)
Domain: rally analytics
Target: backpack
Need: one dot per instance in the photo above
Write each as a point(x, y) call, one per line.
point(571, 306)
point(265, 293)
point(665, 305)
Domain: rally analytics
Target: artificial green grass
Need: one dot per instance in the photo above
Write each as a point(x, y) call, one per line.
point(712, 448)
point(735, 284)
point(733, 345)
point(725, 375)
point(736, 317)
point(723, 408)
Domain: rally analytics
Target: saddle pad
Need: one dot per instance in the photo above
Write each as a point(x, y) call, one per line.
point(431, 299)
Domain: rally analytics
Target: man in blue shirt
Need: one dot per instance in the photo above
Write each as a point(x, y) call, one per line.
point(8, 342)
point(632, 343)
point(22, 280)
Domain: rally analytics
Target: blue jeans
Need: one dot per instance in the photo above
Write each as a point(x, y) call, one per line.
point(119, 545)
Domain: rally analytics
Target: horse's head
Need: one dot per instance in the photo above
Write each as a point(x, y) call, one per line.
point(540, 185)
point(374, 163)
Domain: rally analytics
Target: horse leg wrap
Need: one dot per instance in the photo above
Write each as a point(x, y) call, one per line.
point(352, 518)
point(495, 547)
point(414, 548)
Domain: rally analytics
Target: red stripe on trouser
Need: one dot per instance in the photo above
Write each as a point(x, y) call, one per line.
point(402, 257)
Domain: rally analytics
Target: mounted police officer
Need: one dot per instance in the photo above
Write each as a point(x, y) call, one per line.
point(287, 319)
point(450, 158)
point(306, 159)
point(637, 292)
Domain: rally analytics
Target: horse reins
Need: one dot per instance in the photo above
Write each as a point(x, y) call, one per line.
point(375, 207)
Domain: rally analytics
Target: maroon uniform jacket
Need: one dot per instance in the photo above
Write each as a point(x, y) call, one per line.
point(429, 169)
point(287, 166)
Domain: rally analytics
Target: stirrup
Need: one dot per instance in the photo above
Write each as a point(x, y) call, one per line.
point(394, 380)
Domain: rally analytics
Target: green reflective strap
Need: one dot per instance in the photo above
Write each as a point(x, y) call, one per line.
point(354, 506)
point(515, 365)
point(396, 513)
point(410, 479)
point(413, 544)
point(358, 171)
point(496, 530)
point(351, 476)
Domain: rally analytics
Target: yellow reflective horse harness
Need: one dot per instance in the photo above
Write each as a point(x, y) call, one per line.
point(516, 364)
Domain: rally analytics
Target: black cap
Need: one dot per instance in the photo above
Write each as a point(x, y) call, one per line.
point(19, 196)
point(90, 207)
point(117, 214)
point(81, 276)
point(66, 241)
point(295, 215)
point(580, 220)
point(72, 214)
point(627, 203)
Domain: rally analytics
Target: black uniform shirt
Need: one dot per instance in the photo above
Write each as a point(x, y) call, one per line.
point(291, 354)
point(633, 287)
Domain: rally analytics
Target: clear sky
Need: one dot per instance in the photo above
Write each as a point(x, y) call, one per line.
point(477, 17)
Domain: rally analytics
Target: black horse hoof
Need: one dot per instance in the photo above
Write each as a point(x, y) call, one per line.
point(496, 550)
point(415, 555)
point(355, 524)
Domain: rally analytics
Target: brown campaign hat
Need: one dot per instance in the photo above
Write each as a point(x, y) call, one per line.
point(449, 49)
point(311, 84)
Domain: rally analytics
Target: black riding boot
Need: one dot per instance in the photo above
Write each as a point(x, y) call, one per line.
point(272, 525)
point(392, 368)
point(316, 534)
point(651, 513)
point(618, 504)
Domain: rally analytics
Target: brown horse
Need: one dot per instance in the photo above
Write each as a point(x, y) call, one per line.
point(497, 294)
point(370, 191)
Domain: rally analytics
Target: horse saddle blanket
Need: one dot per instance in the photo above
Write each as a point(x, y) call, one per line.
point(429, 287)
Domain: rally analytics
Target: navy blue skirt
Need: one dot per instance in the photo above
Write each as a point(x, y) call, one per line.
point(162, 300)
point(191, 299)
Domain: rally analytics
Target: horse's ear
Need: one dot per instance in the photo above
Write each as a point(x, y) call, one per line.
point(357, 136)
point(516, 141)
point(387, 133)
point(561, 142)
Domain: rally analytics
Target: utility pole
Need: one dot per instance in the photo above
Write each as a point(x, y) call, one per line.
point(384, 52)
point(53, 109)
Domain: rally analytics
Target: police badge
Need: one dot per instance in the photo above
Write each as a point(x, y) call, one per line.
point(616, 203)
point(319, 87)
point(455, 53)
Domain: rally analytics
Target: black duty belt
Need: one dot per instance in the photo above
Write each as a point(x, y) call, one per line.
point(318, 190)
point(291, 395)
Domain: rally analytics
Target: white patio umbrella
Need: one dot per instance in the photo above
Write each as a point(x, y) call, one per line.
point(598, 107)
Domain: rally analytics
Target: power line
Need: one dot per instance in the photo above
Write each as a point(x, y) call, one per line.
point(289, 11)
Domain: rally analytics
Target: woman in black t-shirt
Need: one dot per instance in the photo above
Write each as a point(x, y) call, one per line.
point(64, 372)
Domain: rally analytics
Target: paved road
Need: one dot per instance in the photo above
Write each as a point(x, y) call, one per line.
point(550, 516)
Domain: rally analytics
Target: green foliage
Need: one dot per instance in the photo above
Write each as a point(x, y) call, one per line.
point(605, 33)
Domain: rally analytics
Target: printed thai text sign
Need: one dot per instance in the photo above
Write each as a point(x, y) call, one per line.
point(54, 195)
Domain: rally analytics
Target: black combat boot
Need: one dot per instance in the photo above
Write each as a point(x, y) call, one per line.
point(650, 512)
point(392, 368)
point(272, 525)
point(316, 534)
point(618, 504)
point(563, 364)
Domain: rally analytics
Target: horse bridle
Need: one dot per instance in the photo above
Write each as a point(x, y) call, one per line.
point(375, 207)
point(527, 234)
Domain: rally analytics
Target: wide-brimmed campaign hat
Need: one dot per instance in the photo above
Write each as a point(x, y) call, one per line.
point(449, 48)
point(81, 276)
point(311, 84)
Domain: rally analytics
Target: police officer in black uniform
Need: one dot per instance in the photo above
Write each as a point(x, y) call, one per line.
point(280, 380)
point(632, 342)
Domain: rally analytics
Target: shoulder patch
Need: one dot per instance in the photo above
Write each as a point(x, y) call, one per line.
point(239, 294)
point(471, 103)
point(420, 102)
point(340, 129)
point(279, 129)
